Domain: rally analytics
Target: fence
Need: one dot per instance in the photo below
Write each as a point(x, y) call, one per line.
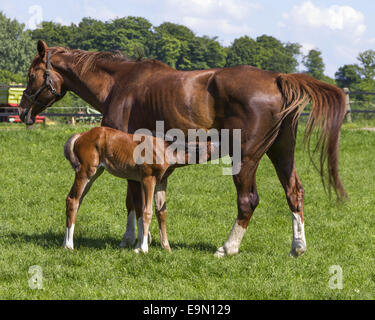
point(363, 106)
point(66, 114)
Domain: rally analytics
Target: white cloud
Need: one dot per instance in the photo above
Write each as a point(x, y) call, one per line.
point(61, 21)
point(227, 18)
point(98, 12)
point(306, 47)
point(335, 17)
point(217, 26)
point(36, 17)
point(237, 9)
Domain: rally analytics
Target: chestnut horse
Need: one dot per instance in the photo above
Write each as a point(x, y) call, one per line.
point(101, 148)
point(264, 105)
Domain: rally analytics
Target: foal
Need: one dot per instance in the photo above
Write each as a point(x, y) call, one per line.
point(91, 152)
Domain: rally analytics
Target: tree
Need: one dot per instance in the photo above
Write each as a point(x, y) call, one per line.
point(313, 62)
point(277, 56)
point(17, 49)
point(7, 77)
point(192, 52)
point(168, 49)
point(214, 53)
point(348, 76)
point(367, 70)
point(54, 34)
point(131, 35)
point(243, 51)
point(265, 52)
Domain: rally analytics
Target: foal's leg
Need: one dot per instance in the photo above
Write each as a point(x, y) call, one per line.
point(148, 188)
point(281, 154)
point(161, 212)
point(82, 183)
point(133, 200)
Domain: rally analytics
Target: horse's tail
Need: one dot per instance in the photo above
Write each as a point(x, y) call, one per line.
point(69, 151)
point(327, 115)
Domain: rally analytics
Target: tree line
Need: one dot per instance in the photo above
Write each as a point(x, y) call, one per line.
point(175, 45)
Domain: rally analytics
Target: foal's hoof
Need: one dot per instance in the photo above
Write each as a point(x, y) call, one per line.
point(68, 246)
point(298, 248)
point(167, 248)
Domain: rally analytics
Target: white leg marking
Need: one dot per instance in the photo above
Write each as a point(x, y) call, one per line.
point(68, 240)
point(142, 243)
point(232, 245)
point(130, 235)
point(144, 246)
point(299, 240)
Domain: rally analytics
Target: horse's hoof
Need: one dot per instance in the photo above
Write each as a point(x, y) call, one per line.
point(68, 246)
point(298, 248)
point(128, 241)
point(220, 253)
point(226, 251)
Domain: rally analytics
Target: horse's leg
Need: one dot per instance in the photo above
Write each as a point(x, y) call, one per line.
point(133, 195)
point(247, 201)
point(281, 154)
point(82, 183)
point(161, 212)
point(148, 188)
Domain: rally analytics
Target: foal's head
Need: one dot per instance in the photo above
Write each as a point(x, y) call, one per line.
point(44, 86)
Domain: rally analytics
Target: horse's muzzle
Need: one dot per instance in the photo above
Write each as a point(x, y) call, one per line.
point(26, 116)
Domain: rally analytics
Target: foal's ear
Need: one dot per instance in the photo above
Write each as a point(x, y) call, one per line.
point(42, 48)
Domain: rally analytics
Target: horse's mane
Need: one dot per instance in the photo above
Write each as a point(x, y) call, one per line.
point(87, 60)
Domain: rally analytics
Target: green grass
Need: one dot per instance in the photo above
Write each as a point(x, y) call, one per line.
point(35, 179)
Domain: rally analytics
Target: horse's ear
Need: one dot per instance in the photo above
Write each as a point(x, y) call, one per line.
point(42, 48)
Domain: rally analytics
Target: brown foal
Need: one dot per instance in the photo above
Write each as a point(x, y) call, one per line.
point(103, 148)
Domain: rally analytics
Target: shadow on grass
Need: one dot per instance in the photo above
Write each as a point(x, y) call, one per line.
point(54, 240)
point(199, 246)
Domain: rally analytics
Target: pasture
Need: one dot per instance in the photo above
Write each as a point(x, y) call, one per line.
point(201, 204)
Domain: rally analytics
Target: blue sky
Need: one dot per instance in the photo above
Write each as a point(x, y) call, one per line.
point(339, 28)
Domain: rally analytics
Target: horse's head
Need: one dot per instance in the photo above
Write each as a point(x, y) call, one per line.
point(44, 86)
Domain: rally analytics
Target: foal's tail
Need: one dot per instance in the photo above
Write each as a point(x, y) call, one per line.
point(69, 151)
point(327, 114)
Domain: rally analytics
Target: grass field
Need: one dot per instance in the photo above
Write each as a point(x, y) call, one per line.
point(35, 179)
